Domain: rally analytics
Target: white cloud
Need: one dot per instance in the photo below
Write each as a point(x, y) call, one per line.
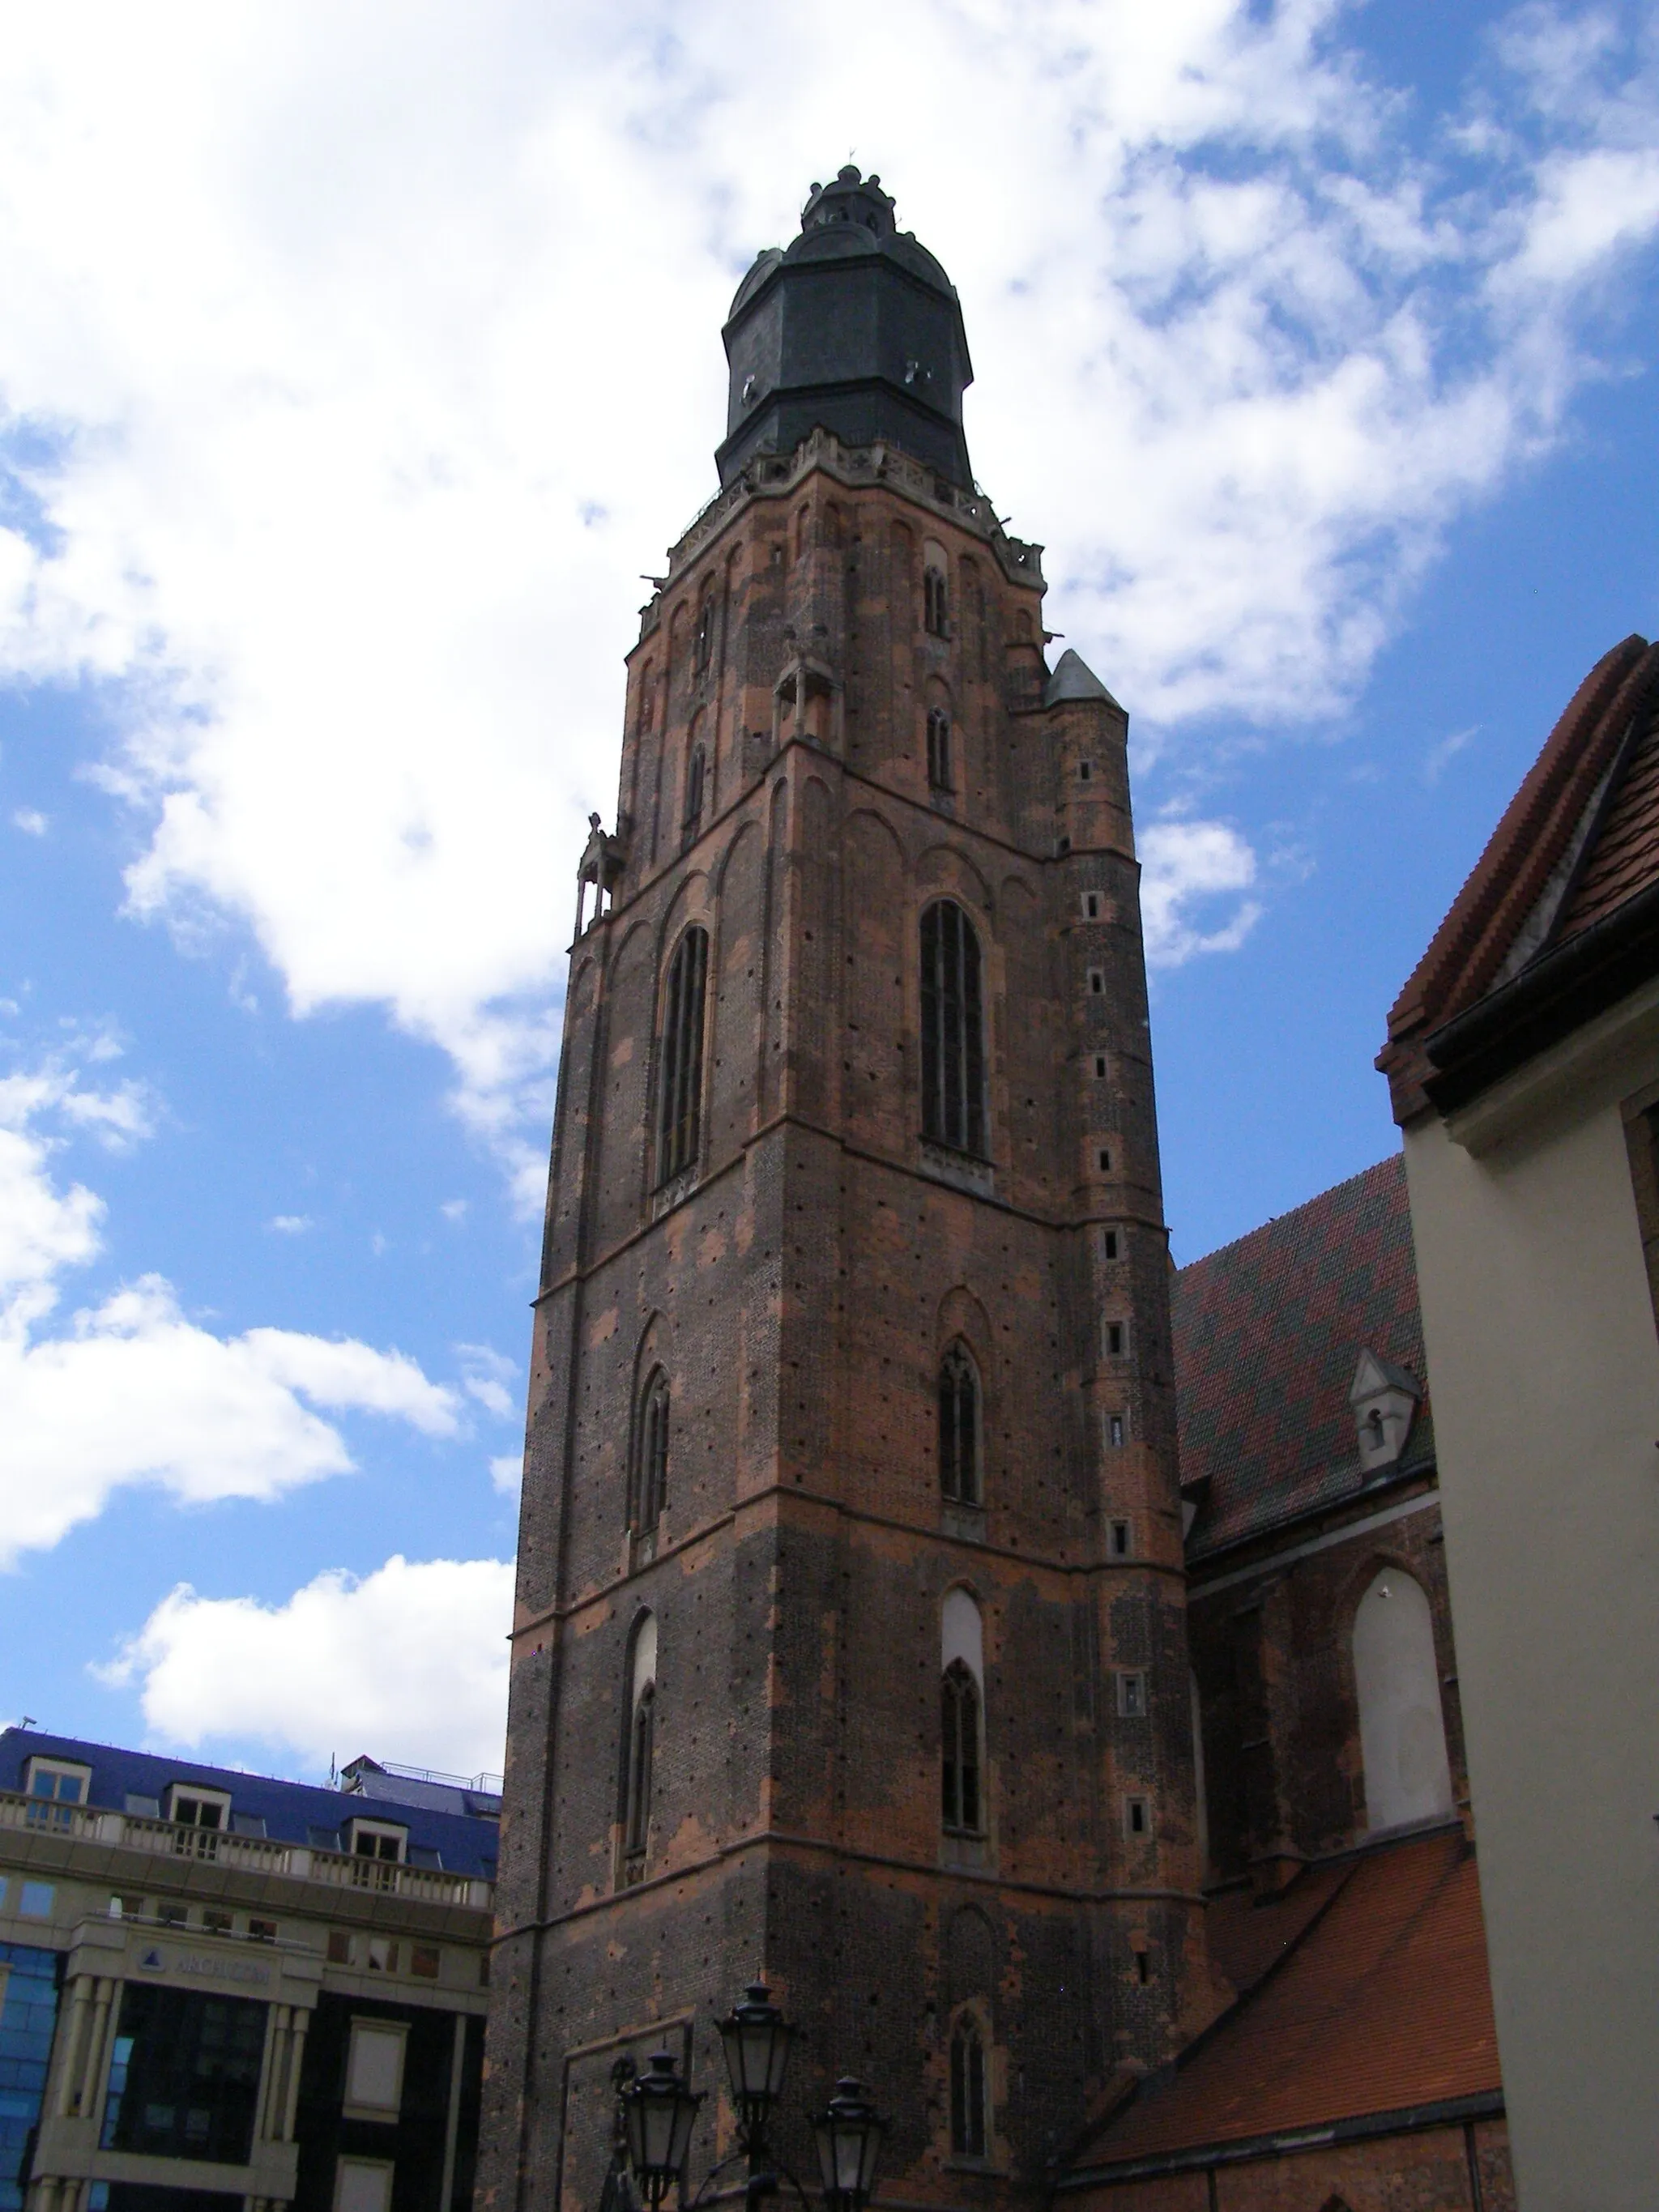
point(354, 458)
point(30, 821)
point(1441, 755)
point(290, 1224)
point(507, 1472)
point(133, 1391)
point(485, 1376)
point(409, 1664)
point(1186, 868)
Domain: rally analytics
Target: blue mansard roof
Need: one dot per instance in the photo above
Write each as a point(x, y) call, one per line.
point(137, 1781)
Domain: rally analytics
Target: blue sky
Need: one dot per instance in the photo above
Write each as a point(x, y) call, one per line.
point(355, 367)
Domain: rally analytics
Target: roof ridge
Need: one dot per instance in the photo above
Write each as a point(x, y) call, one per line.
point(1274, 1220)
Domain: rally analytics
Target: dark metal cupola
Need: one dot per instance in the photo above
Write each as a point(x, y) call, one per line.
point(856, 327)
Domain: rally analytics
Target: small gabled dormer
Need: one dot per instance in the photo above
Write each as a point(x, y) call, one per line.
point(1385, 1399)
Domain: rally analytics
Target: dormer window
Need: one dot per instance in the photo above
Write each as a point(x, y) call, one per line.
point(1384, 1399)
point(380, 1840)
point(193, 1808)
point(54, 1786)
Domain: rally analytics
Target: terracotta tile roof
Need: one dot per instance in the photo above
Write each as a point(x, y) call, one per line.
point(1268, 1334)
point(1512, 884)
point(1380, 2004)
point(1624, 858)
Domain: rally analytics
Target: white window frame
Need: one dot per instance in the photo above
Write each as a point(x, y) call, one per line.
point(194, 1793)
point(345, 2165)
point(363, 2026)
point(393, 1829)
point(60, 1769)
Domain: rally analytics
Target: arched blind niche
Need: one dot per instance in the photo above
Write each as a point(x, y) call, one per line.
point(1402, 1733)
point(952, 1030)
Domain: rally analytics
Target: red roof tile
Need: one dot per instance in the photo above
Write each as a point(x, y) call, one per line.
point(1268, 1332)
point(1382, 2004)
point(1625, 856)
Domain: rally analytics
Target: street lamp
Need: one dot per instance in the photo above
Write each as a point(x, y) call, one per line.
point(758, 2040)
point(658, 2112)
point(849, 2141)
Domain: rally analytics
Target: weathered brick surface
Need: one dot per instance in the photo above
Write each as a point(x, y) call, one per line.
point(1273, 1656)
point(798, 1289)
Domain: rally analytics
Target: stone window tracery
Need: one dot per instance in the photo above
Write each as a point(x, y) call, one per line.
point(935, 601)
point(650, 1484)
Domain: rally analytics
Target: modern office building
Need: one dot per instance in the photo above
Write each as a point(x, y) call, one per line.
point(224, 1993)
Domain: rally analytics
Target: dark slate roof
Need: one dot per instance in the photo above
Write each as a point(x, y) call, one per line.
point(1377, 2002)
point(293, 1811)
point(1073, 678)
point(1268, 1335)
point(438, 1793)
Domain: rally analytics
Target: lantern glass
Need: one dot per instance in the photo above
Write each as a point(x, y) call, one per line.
point(848, 2142)
point(658, 2112)
point(757, 2040)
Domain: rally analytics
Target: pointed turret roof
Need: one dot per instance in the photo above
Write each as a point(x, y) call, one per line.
point(1073, 678)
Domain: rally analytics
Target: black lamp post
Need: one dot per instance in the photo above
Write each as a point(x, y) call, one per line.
point(658, 2112)
point(849, 2142)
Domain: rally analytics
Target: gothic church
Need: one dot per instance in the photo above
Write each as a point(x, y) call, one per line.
point(850, 1651)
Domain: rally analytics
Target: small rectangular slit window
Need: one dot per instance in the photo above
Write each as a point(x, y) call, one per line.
point(1085, 770)
point(1096, 981)
point(1100, 1067)
point(1116, 1430)
point(1116, 1339)
point(1138, 1816)
point(1091, 906)
point(1143, 1972)
point(1109, 1242)
point(1105, 1161)
point(1120, 1539)
point(1131, 1695)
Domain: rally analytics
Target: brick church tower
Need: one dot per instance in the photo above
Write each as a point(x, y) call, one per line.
point(850, 1649)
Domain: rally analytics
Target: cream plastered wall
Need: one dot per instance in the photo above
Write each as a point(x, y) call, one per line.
point(1544, 1371)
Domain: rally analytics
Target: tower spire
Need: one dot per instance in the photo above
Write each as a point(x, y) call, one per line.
point(853, 328)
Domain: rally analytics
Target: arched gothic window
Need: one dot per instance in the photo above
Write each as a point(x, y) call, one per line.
point(694, 779)
point(968, 2128)
point(639, 1747)
point(1402, 1730)
point(952, 1032)
point(935, 602)
point(702, 638)
point(679, 1120)
point(650, 1485)
point(939, 749)
point(959, 1767)
point(959, 1428)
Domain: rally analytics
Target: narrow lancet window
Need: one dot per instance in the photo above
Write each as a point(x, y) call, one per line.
point(958, 1428)
point(959, 1769)
point(680, 1118)
point(650, 1456)
point(936, 602)
point(639, 1748)
point(952, 1036)
point(939, 749)
point(967, 2090)
point(694, 779)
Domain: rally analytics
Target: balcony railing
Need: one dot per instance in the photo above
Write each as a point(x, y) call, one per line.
point(249, 1854)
